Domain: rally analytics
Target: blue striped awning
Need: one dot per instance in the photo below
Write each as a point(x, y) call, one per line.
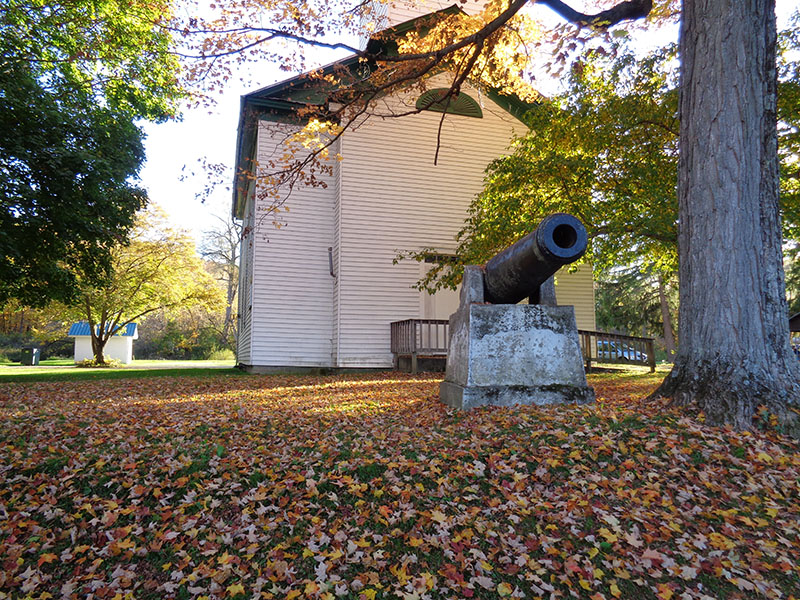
point(82, 328)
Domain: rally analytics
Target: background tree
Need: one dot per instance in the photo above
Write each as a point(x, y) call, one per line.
point(637, 301)
point(606, 150)
point(220, 246)
point(158, 270)
point(74, 78)
point(22, 326)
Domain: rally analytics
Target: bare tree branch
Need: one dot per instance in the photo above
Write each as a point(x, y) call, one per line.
point(624, 11)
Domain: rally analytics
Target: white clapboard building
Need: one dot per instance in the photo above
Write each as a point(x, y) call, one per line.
point(322, 289)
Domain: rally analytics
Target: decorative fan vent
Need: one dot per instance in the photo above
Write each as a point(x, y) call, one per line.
point(462, 104)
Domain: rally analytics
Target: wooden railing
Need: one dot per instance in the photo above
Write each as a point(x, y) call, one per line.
point(419, 337)
point(431, 337)
point(598, 346)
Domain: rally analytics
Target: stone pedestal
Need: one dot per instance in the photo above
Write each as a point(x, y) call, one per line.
point(504, 354)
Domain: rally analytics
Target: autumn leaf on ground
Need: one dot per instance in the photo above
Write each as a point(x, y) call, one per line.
point(366, 486)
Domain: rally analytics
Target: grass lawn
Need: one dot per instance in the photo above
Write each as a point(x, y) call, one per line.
point(64, 369)
point(366, 487)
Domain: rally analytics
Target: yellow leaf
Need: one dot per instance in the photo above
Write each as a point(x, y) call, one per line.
point(293, 594)
point(126, 543)
point(437, 516)
point(311, 588)
point(615, 591)
point(307, 553)
point(415, 541)
point(720, 542)
point(610, 537)
point(504, 589)
point(235, 589)
point(664, 591)
point(584, 584)
point(46, 559)
point(486, 566)
point(370, 593)
point(430, 580)
point(400, 573)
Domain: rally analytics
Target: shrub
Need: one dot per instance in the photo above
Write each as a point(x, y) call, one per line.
point(111, 363)
point(221, 354)
point(10, 355)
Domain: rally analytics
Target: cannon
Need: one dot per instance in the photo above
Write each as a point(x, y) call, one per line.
point(503, 353)
point(518, 271)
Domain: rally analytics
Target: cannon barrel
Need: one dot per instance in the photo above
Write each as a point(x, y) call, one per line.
point(519, 270)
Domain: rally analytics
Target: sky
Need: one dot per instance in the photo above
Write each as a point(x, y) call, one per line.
point(172, 173)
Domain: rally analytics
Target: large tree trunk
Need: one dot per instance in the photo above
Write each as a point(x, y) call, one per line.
point(734, 353)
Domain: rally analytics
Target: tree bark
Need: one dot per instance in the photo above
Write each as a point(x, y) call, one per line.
point(734, 353)
point(666, 318)
point(98, 344)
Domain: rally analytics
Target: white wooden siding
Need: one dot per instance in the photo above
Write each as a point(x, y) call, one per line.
point(292, 322)
point(383, 15)
point(393, 198)
point(385, 197)
point(337, 282)
point(577, 289)
point(243, 353)
point(400, 11)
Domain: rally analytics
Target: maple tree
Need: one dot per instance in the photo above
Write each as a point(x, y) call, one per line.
point(734, 353)
point(637, 301)
point(75, 79)
point(66, 170)
point(158, 270)
point(366, 487)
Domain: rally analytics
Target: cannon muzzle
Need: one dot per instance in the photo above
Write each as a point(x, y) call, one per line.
point(519, 270)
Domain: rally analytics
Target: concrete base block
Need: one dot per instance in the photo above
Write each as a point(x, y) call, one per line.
point(503, 354)
point(466, 398)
